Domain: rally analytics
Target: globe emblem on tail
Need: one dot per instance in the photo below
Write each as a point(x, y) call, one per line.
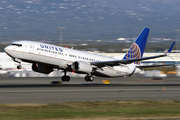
point(133, 52)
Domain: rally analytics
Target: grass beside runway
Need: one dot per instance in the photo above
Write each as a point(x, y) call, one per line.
point(84, 110)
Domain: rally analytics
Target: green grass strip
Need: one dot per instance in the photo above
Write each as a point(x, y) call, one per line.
point(89, 110)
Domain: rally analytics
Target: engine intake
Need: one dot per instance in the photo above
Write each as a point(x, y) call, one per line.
point(41, 68)
point(81, 67)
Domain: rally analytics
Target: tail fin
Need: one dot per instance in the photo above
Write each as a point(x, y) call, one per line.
point(137, 48)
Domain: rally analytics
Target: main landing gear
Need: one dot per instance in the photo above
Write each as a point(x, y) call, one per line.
point(89, 78)
point(65, 78)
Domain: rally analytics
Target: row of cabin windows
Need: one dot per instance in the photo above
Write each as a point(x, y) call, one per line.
point(50, 51)
point(84, 58)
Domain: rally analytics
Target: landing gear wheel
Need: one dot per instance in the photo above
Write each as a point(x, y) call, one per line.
point(89, 78)
point(19, 67)
point(65, 78)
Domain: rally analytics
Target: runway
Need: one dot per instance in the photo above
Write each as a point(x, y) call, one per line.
point(39, 90)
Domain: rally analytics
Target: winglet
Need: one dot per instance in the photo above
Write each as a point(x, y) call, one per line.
point(169, 51)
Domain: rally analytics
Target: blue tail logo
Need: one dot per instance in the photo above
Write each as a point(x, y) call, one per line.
point(133, 52)
point(137, 48)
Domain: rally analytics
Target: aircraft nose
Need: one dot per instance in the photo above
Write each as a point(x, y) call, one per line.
point(6, 49)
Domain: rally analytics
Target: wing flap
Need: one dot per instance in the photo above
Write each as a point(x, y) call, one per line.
point(148, 66)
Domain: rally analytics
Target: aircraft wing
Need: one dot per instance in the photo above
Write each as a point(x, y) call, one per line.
point(119, 62)
point(128, 61)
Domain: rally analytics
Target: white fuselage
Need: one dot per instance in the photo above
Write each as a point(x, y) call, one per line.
point(60, 58)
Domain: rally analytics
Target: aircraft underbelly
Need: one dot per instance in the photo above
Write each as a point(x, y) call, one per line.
point(50, 60)
point(105, 72)
point(36, 58)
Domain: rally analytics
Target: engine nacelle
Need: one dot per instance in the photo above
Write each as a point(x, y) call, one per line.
point(81, 67)
point(41, 68)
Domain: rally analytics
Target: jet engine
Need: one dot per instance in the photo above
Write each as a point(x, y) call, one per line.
point(81, 67)
point(41, 68)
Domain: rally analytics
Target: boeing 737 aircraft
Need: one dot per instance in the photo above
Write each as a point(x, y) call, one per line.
point(46, 57)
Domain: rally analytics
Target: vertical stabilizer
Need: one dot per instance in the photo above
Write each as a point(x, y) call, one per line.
point(137, 48)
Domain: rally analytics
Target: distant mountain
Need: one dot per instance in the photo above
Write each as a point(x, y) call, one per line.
point(84, 19)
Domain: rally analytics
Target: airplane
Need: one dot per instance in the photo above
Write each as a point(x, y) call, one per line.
point(46, 57)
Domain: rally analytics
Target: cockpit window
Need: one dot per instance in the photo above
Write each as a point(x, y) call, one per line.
point(19, 45)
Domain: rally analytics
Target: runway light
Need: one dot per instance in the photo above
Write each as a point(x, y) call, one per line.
point(106, 81)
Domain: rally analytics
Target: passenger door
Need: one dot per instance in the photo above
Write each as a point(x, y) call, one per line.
point(31, 48)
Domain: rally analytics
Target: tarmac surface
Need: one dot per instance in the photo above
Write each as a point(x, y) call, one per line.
point(40, 90)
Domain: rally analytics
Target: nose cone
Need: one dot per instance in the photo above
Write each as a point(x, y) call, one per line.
point(6, 49)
